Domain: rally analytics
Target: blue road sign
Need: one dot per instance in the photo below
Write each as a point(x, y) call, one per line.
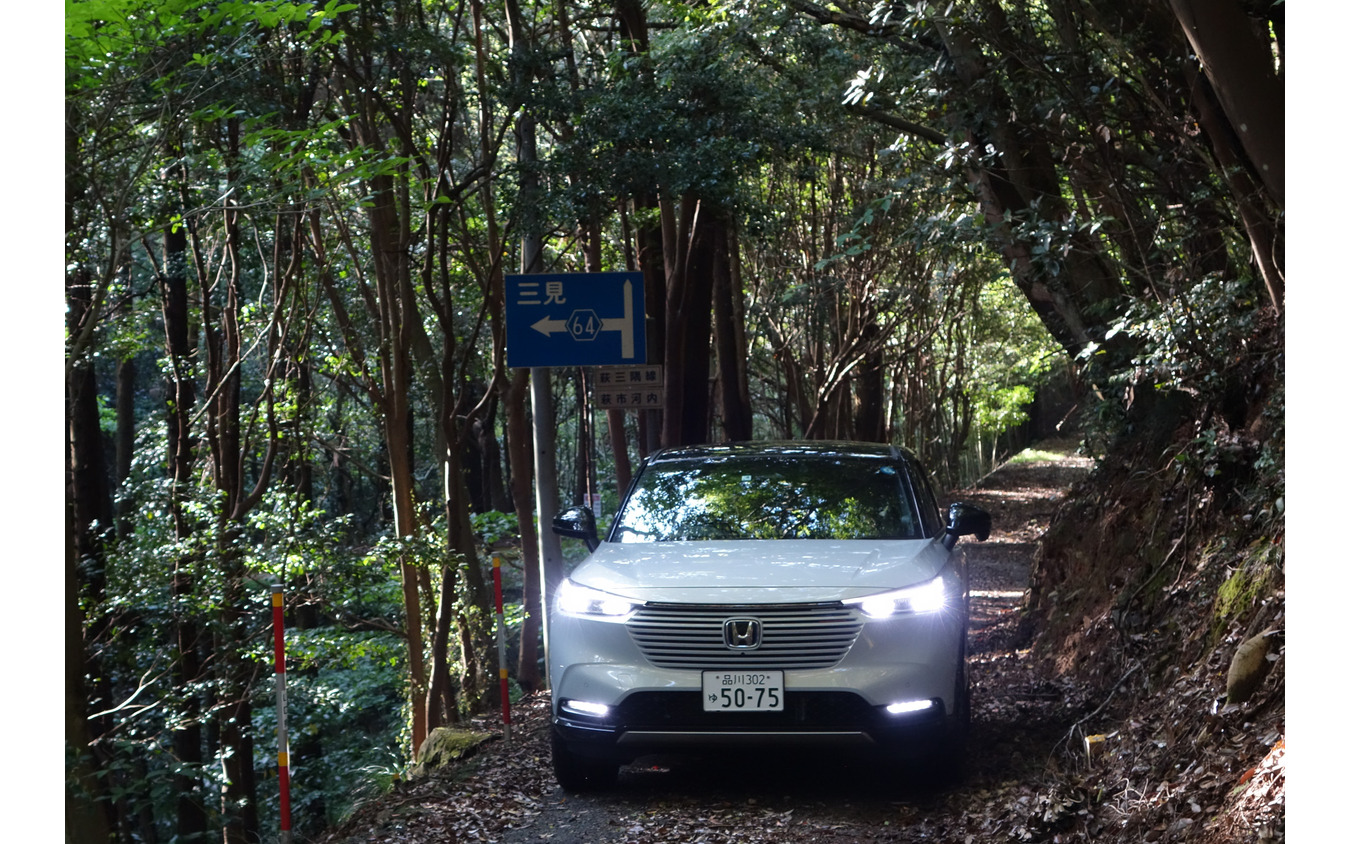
point(575, 319)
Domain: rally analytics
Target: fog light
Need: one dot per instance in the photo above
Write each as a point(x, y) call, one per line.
point(585, 707)
point(905, 707)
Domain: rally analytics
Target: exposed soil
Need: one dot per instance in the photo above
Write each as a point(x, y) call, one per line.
point(1029, 775)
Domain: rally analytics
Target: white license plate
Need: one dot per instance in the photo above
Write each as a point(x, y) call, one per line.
point(742, 691)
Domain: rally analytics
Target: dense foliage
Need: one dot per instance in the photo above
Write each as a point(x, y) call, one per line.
point(287, 226)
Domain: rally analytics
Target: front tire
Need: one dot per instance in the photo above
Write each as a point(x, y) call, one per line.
point(948, 759)
point(581, 773)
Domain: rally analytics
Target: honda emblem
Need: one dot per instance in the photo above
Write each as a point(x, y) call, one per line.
point(742, 634)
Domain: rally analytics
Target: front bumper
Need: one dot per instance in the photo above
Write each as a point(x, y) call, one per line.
point(841, 706)
point(669, 722)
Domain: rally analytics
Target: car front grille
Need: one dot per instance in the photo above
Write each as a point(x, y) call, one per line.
point(795, 636)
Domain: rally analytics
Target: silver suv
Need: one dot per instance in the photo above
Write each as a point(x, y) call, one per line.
point(787, 594)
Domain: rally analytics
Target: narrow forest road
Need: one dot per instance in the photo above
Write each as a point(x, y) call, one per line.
point(506, 793)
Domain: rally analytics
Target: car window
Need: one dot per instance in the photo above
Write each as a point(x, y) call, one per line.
point(775, 497)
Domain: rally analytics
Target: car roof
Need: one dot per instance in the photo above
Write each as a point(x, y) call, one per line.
point(783, 448)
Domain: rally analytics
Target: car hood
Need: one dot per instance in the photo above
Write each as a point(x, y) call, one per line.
point(759, 571)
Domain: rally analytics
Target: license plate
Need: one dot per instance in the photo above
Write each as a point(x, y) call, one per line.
point(742, 691)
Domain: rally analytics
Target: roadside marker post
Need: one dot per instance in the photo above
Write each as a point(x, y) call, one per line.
point(501, 647)
point(283, 754)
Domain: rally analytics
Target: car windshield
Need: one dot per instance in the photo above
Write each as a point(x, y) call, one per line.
point(769, 497)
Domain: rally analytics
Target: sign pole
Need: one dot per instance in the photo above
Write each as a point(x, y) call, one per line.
point(545, 496)
point(283, 753)
point(541, 395)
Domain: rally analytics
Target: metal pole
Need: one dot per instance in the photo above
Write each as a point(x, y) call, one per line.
point(283, 753)
point(501, 646)
point(545, 498)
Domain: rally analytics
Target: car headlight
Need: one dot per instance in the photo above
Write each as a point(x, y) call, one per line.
point(927, 597)
point(575, 599)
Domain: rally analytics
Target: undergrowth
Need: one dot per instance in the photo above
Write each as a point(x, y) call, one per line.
point(1148, 580)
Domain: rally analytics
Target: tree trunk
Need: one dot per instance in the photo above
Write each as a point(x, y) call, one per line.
point(869, 390)
point(1069, 299)
point(702, 245)
point(494, 482)
point(442, 700)
point(618, 441)
point(651, 263)
point(732, 354)
point(455, 594)
point(476, 614)
point(88, 513)
point(234, 711)
point(592, 241)
point(397, 316)
point(125, 440)
point(521, 457)
point(452, 443)
point(1236, 58)
point(186, 631)
point(1262, 229)
point(469, 599)
point(582, 481)
point(512, 386)
point(87, 807)
point(652, 242)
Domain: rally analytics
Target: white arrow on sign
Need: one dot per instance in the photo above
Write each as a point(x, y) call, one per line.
point(548, 325)
point(623, 324)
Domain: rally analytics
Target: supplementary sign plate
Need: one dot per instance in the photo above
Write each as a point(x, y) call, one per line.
point(629, 387)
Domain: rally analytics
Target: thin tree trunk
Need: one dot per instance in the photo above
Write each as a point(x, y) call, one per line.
point(653, 239)
point(396, 317)
point(869, 390)
point(521, 457)
point(125, 440)
point(618, 441)
point(186, 632)
point(234, 711)
point(390, 395)
point(516, 386)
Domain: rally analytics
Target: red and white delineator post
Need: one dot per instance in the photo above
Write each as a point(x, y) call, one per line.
point(283, 753)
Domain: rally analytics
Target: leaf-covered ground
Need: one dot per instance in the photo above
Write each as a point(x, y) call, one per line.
point(1161, 767)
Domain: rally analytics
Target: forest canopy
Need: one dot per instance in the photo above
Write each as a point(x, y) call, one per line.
point(287, 227)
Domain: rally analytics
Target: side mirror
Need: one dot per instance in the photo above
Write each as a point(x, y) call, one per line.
point(577, 523)
point(964, 519)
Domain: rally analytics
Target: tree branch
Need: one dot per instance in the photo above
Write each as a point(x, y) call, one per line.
point(846, 20)
point(885, 118)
